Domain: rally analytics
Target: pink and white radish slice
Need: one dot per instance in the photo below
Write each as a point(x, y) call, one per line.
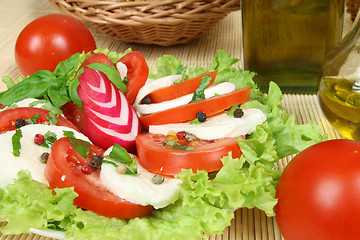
point(109, 118)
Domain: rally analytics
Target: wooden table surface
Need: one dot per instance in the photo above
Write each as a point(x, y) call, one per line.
point(248, 223)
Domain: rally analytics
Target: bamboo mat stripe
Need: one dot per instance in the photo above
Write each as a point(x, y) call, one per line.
point(248, 224)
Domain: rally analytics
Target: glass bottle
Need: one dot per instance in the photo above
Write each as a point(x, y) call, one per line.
point(339, 88)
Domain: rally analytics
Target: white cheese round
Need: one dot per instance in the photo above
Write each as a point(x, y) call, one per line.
point(29, 153)
point(140, 188)
point(219, 126)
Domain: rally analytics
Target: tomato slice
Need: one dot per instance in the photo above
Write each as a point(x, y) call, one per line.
point(9, 116)
point(63, 169)
point(74, 114)
point(180, 89)
point(166, 160)
point(137, 73)
point(210, 106)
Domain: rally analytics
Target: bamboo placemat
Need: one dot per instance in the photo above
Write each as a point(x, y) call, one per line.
point(248, 224)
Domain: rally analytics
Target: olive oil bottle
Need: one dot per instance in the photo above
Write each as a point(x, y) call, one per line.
point(340, 101)
point(339, 88)
point(286, 41)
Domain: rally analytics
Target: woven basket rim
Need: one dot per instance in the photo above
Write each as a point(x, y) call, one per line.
point(126, 12)
point(160, 22)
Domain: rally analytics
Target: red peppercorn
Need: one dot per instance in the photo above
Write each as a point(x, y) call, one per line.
point(87, 169)
point(181, 135)
point(39, 139)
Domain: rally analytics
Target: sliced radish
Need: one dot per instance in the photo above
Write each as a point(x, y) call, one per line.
point(109, 118)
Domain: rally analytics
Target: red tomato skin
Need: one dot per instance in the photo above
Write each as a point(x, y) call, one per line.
point(61, 173)
point(319, 193)
point(9, 116)
point(168, 161)
point(74, 114)
point(97, 58)
point(138, 72)
point(180, 89)
point(50, 39)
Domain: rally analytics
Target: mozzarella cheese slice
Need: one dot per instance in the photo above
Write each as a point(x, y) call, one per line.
point(29, 153)
point(152, 85)
point(220, 89)
point(219, 126)
point(140, 188)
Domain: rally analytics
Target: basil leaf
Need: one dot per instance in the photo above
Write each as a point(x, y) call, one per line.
point(73, 92)
point(83, 147)
point(199, 93)
point(50, 138)
point(58, 92)
point(178, 146)
point(68, 67)
point(52, 118)
point(16, 142)
point(34, 86)
point(110, 162)
point(195, 121)
point(120, 154)
point(33, 119)
point(69, 134)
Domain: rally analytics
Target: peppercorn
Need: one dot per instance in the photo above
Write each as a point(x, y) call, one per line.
point(20, 123)
point(44, 157)
point(96, 162)
point(181, 135)
point(201, 116)
point(39, 139)
point(146, 100)
point(238, 113)
point(87, 169)
point(121, 168)
point(157, 179)
point(190, 137)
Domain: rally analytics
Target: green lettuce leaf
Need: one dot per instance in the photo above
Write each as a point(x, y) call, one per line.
point(29, 204)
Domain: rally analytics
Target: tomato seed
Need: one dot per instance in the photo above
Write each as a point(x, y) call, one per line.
point(87, 169)
point(39, 139)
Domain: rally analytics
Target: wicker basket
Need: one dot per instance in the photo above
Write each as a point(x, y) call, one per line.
point(160, 22)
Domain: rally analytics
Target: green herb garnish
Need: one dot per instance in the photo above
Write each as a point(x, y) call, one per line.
point(69, 134)
point(52, 118)
point(16, 142)
point(50, 138)
point(33, 119)
point(178, 146)
point(83, 147)
point(199, 93)
point(119, 154)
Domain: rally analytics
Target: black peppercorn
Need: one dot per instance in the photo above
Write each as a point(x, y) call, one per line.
point(146, 100)
point(20, 123)
point(96, 162)
point(238, 113)
point(201, 116)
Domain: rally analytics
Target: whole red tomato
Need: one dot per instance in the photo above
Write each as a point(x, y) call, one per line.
point(319, 193)
point(50, 39)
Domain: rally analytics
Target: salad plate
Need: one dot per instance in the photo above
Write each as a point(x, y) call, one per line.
point(207, 204)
